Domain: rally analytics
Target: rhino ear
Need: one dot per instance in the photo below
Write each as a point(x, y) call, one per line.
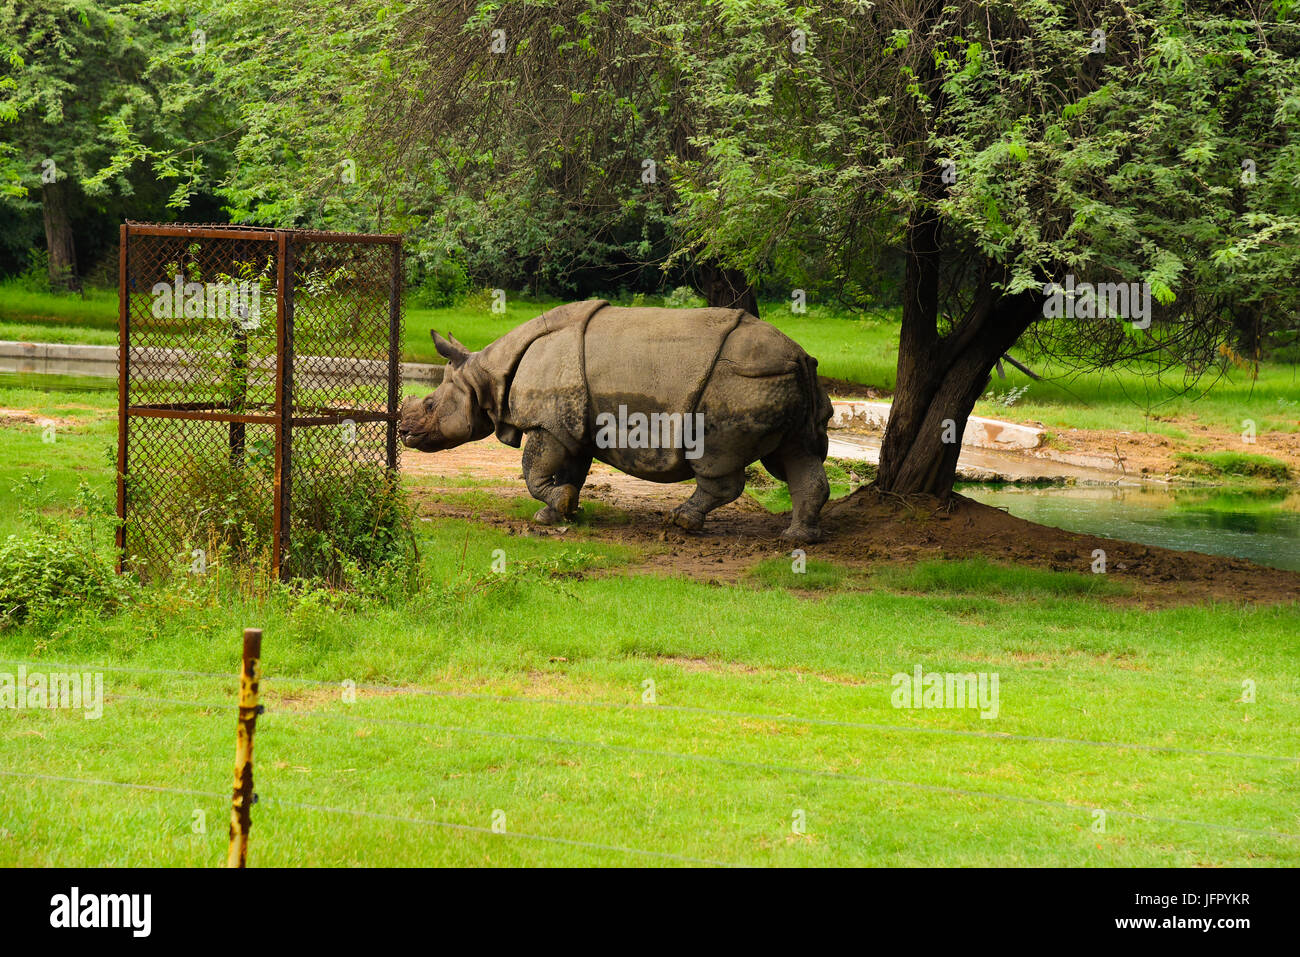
point(452, 351)
point(456, 342)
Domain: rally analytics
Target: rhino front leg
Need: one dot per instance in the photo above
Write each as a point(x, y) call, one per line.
point(710, 492)
point(553, 476)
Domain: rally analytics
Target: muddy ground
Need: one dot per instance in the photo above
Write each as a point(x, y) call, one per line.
point(1150, 454)
point(863, 530)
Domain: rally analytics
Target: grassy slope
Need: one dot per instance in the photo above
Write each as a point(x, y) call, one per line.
point(715, 770)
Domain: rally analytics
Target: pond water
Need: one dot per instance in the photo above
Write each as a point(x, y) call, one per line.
point(1262, 526)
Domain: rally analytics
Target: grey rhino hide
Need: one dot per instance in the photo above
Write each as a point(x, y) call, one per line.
point(647, 359)
point(490, 372)
point(557, 377)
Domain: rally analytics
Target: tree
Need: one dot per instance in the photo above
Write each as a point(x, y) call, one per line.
point(554, 129)
point(1002, 145)
point(999, 146)
point(76, 80)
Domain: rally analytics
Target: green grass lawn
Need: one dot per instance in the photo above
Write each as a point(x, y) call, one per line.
point(523, 697)
point(96, 309)
point(1127, 400)
point(862, 349)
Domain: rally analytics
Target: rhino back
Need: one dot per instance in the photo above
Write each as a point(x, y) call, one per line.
point(660, 359)
point(743, 372)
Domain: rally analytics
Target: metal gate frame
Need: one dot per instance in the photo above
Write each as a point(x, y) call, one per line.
point(282, 417)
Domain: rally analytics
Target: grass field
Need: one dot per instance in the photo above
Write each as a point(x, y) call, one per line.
point(521, 699)
point(862, 349)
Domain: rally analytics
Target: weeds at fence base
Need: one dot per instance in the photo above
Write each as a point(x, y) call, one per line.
point(350, 529)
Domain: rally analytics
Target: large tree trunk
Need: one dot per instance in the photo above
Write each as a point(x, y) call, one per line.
point(941, 378)
point(726, 288)
point(58, 237)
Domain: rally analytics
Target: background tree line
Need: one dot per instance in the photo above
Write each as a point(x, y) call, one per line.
point(948, 158)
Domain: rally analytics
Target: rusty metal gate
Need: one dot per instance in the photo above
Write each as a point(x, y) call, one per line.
point(256, 366)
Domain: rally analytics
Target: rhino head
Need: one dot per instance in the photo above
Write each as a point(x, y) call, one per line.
point(451, 415)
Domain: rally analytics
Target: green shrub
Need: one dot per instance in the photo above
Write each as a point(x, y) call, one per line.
point(683, 297)
point(36, 277)
point(61, 566)
point(479, 300)
point(343, 526)
point(48, 573)
point(353, 531)
point(445, 284)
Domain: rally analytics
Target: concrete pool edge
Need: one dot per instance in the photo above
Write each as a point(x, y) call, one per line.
point(57, 358)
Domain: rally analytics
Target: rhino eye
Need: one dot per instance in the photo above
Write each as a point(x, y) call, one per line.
point(428, 403)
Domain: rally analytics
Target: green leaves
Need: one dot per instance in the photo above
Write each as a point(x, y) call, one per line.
point(83, 94)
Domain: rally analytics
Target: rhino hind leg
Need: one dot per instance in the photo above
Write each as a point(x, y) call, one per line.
point(554, 477)
point(711, 491)
point(805, 473)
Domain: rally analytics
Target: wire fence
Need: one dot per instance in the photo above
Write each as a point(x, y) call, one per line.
point(370, 815)
point(554, 742)
point(695, 710)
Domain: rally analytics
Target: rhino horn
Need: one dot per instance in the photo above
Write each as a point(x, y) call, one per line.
point(450, 349)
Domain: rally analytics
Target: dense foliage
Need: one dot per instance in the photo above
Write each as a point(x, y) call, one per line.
point(954, 158)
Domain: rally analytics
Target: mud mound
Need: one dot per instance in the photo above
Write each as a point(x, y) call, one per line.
point(871, 526)
point(844, 389)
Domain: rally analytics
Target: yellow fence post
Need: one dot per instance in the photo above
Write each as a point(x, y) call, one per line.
point(241, 801)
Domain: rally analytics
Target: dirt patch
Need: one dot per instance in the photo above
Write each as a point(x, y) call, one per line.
point(319, 697)
point(12, 417)
point(1152, 455)
point(711, 666)
point(707, 665)
point(865, 529)
point(496, 467)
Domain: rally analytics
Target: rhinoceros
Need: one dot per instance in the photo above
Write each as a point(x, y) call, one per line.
point(661, 394)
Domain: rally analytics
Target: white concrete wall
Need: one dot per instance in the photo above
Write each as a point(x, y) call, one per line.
point(28, 356)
